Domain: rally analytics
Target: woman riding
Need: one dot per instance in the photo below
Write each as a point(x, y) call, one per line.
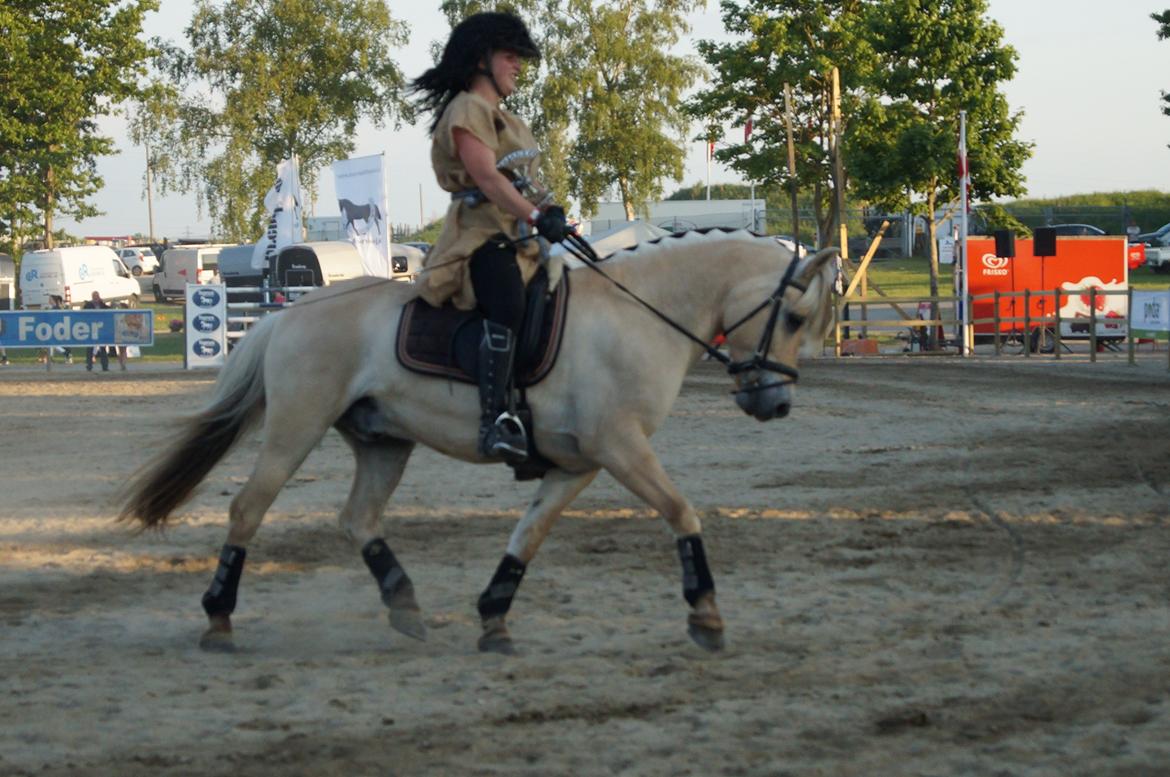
point(486, 157)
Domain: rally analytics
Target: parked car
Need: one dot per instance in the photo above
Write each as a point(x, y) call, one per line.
point(183, 265)
point(140, 259)
point(1076, 230)
point(1159, 237)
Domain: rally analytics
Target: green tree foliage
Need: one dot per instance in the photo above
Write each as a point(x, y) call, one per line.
point(64, 64)
point(937, 57)
point(1163, 20)
point(266, 80)
point(797, 42)
point(606, 102)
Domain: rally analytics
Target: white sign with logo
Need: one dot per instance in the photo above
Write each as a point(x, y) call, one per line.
point(1151, 311)
point(946, 250)
point(206, 326)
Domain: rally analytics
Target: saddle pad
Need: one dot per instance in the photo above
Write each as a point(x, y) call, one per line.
point(431, 340)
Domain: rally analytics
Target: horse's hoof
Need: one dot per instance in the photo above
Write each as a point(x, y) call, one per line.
point(410, 623)
point(217, 641)
point(495, 638)
point(708, 639)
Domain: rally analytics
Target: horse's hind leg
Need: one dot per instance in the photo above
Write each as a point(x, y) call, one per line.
point(380, 465)
point(557, 489)
point(633, 463)
point(284, 449)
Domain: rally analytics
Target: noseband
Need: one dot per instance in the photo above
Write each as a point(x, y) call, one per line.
point(759, 361)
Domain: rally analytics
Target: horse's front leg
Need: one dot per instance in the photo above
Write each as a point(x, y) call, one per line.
point(557, 490)
point(632, 463)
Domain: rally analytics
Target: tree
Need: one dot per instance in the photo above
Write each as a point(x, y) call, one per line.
point(606, 102)
point(796, 42)
point(65, 63)
point(937, 58)
point(1163, 20)
point(285, 78)
point(613, 98)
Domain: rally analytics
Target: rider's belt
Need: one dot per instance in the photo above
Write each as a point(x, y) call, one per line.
point(473, 197)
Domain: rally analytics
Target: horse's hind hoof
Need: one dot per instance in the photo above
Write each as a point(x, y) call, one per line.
point(217, 641)
point(410, 623)
point(495, 638)
point(708, 639)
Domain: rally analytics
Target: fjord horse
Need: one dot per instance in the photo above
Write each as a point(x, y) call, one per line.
point(328, 362)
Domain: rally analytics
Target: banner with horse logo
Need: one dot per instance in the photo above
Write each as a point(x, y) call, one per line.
point(361, 197)
point(283, 203)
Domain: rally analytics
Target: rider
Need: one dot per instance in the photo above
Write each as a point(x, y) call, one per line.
point(476, 260)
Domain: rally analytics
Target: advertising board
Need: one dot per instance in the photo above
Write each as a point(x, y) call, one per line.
point(206, 328)
point(75, 328)
point(1080, 265)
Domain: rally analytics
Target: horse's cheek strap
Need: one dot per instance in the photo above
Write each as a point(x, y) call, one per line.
point(220, 598)
point(497, 597)
point(697, 579)
point(384, 567)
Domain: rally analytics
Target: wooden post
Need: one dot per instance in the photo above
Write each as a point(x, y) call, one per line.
point(1027, 337)
point(837, 330)
point(1056, 329)
point(1129, 322)
point(997, 324)
point(1093, 324)
point(838, 170)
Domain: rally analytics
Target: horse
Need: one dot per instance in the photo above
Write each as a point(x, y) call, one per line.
point(369, 213)
point(621, 367)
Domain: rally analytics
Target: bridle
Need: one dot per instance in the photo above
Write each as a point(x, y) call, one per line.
point(758, 362)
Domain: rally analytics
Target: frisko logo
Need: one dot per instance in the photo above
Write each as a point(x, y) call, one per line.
point(995, 265)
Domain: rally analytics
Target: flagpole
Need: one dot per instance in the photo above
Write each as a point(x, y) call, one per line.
point(964, 181)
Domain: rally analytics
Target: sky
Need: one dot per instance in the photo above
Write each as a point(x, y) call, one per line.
point(1089, 80)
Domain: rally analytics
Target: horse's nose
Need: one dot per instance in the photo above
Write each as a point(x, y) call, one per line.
point(782, 409)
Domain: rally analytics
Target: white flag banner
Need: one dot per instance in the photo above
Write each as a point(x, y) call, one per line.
point(283, 203)
point(361, 197)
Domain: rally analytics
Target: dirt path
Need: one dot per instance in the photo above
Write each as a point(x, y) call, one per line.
point(932, 567)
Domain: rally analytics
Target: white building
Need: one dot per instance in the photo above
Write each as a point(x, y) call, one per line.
point(680, 215)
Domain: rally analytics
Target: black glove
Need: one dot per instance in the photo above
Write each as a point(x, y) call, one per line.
point(552, 225)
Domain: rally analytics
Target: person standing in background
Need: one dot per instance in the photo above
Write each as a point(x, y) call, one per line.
point(97, 303)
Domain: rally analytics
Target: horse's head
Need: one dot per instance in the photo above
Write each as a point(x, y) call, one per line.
point(775, 315)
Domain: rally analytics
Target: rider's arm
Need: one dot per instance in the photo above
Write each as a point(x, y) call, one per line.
point(480, 163)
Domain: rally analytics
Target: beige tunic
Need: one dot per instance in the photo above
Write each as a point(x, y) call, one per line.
point(467, 228)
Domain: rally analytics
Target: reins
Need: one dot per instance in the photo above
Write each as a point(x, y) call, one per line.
point(578, 247)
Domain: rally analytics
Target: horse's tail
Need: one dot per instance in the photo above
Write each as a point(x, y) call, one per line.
point(156, 490)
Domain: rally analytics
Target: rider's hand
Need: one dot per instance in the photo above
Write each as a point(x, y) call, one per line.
point(551, 224)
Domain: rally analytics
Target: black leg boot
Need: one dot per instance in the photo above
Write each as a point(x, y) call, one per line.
point(501, 435)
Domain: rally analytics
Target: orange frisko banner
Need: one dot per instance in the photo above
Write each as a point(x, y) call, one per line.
point(1080, 265)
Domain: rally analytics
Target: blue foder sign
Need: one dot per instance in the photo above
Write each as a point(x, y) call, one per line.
point(76, 328)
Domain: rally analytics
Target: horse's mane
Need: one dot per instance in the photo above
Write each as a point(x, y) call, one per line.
point(669, 241)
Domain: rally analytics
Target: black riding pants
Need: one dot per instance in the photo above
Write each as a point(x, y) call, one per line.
point(498, 285)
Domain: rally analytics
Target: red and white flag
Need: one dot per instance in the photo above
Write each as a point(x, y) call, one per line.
point(747, 129)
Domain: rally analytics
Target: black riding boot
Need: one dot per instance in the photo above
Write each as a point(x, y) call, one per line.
point(501, 435)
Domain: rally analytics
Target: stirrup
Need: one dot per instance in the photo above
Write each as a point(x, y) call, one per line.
point(506, 439)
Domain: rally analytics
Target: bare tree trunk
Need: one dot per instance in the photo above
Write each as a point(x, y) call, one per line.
point(50, 202)
point(624, 188)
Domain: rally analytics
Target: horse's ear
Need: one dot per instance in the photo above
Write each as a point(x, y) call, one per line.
point(814, 265)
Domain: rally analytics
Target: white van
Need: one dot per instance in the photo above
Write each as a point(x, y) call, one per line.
point(74, 273)
point(183, 265)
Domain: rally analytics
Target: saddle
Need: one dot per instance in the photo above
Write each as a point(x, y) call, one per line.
point(444, 342)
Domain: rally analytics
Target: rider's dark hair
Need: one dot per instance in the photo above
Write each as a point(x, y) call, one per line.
point(471, 45)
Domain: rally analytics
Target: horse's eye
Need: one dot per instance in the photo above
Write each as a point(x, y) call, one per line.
point(793, 322)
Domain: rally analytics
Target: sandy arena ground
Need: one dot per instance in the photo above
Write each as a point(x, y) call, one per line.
point(930, 568)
